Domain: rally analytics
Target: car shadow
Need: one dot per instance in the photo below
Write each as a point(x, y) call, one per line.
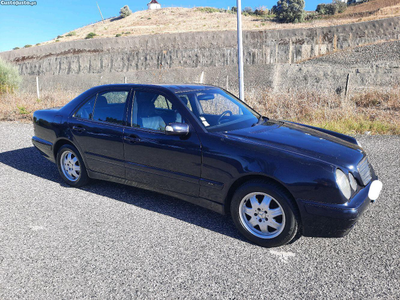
point(30, 161)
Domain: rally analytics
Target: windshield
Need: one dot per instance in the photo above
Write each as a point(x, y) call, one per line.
point(218, 110)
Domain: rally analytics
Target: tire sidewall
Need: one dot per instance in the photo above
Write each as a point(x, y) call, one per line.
point(291, 222)
point(83, 179)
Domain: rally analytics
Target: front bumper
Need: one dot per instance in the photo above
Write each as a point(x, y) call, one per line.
point(336, 220)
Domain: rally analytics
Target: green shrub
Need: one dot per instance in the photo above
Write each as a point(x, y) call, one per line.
point(15, 48)
point(209, 10)
point(27, 46)
point(90, 35)
point(261, 11)
point(118, 35)
point(125, 11)
point(289, 11)
point(331, 9)
point(9, 77)
point(60, 36)
point(72, 33)
point(22, 110)
point(38, 44)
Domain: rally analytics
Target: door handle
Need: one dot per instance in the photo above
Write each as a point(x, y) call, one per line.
point(131, 138)
point(78, 128)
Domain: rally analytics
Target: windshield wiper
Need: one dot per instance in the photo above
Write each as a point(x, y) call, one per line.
point(260, 121)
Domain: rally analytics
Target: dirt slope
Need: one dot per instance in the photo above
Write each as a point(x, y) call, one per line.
point(173, 20)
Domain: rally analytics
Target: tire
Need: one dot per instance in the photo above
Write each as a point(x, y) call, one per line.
point(264, 213)
point(71, 167)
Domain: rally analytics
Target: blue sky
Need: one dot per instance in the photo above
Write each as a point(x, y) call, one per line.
point(21, 25)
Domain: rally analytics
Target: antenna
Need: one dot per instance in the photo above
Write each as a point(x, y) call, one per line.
point(100, 12)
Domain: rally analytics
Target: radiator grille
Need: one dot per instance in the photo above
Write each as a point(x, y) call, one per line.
point(364, 171)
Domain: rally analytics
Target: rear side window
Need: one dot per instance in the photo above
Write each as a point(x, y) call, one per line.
point(110, 107)
point(86, 111)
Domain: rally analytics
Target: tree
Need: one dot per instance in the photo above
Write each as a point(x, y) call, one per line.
point(321, 9)
point(125, 11)
point(248, 10)
point(289, 11)
point(333, 8)
point(341, 6)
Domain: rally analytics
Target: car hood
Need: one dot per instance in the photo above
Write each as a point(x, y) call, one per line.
point(302, 140)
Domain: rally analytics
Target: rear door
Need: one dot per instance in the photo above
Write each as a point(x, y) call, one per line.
point(153, 158)
point(98, 126)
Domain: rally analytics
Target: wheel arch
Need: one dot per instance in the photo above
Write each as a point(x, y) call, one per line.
point(253, 177)
point(61, 142)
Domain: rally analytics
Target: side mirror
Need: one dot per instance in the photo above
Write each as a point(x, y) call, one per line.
point(179, 129)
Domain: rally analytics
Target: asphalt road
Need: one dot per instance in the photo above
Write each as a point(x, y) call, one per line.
point(111, 241)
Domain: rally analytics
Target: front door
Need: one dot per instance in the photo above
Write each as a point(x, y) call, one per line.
point(97, 128)
point(155, 159)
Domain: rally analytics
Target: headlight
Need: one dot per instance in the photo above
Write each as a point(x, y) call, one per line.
point(343, 183)
point(353, 182)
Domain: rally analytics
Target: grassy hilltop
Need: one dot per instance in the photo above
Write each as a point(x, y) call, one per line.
point(175, 20)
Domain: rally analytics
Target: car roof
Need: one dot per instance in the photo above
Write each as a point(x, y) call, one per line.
point(175, 88)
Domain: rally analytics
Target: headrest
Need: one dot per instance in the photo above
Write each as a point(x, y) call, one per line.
point(184, 100)
point(146, 108)
point(101, 101)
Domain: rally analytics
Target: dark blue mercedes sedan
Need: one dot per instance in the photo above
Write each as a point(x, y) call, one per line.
point(277, 179)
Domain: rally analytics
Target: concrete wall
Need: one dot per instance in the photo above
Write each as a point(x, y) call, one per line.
point(270, 58)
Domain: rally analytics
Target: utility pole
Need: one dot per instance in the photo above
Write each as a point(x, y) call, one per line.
point(100, 12)
point(240, 49)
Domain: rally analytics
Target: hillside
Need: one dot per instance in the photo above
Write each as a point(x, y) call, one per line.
point(372, 9)
point(174, 20)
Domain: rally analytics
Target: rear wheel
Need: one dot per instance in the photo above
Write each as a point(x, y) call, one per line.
point(71, 167)
point(264, 213)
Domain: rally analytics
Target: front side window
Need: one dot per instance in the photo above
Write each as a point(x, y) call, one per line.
point(110, 107)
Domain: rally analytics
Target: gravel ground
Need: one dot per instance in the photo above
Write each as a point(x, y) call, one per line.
point(111, 241)
point(387, 53)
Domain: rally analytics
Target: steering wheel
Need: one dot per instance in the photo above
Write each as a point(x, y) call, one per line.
point(223, 115)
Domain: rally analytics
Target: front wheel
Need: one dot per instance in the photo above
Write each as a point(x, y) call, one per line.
point(264, 213)
point(71, 167)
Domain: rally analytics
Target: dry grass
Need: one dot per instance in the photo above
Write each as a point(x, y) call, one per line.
point(175, 20)
point(377, 112)
point(20, 106)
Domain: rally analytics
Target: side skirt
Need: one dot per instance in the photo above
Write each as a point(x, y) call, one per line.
point(211, 205)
